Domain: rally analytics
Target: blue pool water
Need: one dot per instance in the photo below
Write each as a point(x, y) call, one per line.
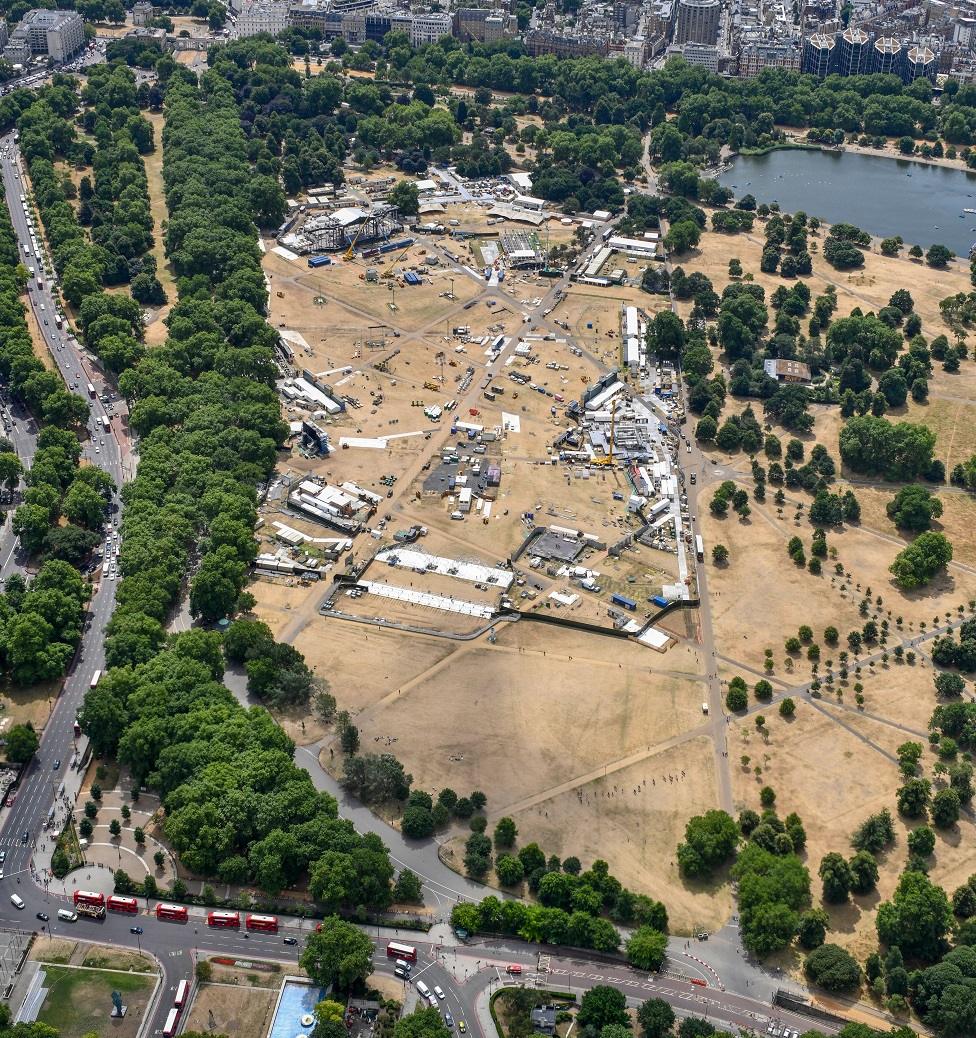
point(296, 1000)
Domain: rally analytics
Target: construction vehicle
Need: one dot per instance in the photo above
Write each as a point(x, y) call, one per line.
point(433, 386)
point(608, 458)
point(388, 273)
point(350, 252)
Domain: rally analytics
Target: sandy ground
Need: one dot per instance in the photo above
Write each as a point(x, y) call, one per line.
point(869, 288)
point(156, 330)
point(600, 714)
point(845, 754)
point(580, 724)
point(231, 1009)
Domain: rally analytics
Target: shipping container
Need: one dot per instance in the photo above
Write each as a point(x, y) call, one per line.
point(658, 600)
point(319, 261)
point(623, 600)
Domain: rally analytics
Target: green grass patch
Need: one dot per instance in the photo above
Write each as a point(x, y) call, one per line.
point(79, 1001)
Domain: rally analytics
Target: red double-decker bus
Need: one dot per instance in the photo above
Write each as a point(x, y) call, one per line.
point(177, 913)
point(115, 903)
point(88, 897)
point(182, 994)
point(395, 950)
point(172, 1022)
point(267, 923)
point(227, 920)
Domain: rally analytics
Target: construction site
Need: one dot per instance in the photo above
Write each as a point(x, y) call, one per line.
point(427, 409)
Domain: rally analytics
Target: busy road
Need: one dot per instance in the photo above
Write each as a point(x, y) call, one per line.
point(23, 821)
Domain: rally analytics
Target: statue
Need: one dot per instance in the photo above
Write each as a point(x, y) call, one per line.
point(118, 1010)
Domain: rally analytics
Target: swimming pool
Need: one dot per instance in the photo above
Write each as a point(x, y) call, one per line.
point(295, 1001)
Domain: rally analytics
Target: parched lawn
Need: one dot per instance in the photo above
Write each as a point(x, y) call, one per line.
point(79, 1001)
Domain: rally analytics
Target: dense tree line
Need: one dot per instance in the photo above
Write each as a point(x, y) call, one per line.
point(236, 805)
point(58, 488)
point(116, 206)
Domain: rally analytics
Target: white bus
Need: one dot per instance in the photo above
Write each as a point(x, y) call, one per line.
point(106, 425)
point(172, 1019)
point(96, 677)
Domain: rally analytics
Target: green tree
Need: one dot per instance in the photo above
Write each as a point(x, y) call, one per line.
point(656, 1018)
point(505, 832)
point(939, 256)
point(916, 919)
point(921, 841)
point(710, 841)
point(812, 927)
point(836, 876)
point(338, 954)
point(646, 948)
point(408, 889)
point(422, 1023)
point(913, 508)
point(666, 334)
point(406, 197)
point(945, 808)
point(863, 872)
point(921, 561)
point(509, 870)
point(913, 797)
point(22, 743)
point(601, 1006)
point(833, 968)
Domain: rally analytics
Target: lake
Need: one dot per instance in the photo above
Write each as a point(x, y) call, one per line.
point(885, 196)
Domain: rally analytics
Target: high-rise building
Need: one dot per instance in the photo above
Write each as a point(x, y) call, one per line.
point(697, 21)
point(853, 54)
point(59, 34)
point(887, 55)
point(920, 63)
point(818, 53)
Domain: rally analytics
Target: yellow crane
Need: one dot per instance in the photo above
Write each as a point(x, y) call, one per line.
point(350, 253)
point(388, 272)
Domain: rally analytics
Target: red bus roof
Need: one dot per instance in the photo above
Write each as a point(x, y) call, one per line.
point(90, 896)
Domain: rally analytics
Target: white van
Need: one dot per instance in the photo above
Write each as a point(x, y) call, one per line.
point(67, 916)
point(17, 902)
point(421, 986)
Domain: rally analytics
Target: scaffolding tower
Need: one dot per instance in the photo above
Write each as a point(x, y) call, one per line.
point(326, 234)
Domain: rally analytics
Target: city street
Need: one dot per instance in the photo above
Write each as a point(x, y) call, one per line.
point(23, 824)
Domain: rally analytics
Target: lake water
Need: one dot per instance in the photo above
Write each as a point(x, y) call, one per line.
point(885, 196)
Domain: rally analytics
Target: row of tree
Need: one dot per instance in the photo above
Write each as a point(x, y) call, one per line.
point(237, 807)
